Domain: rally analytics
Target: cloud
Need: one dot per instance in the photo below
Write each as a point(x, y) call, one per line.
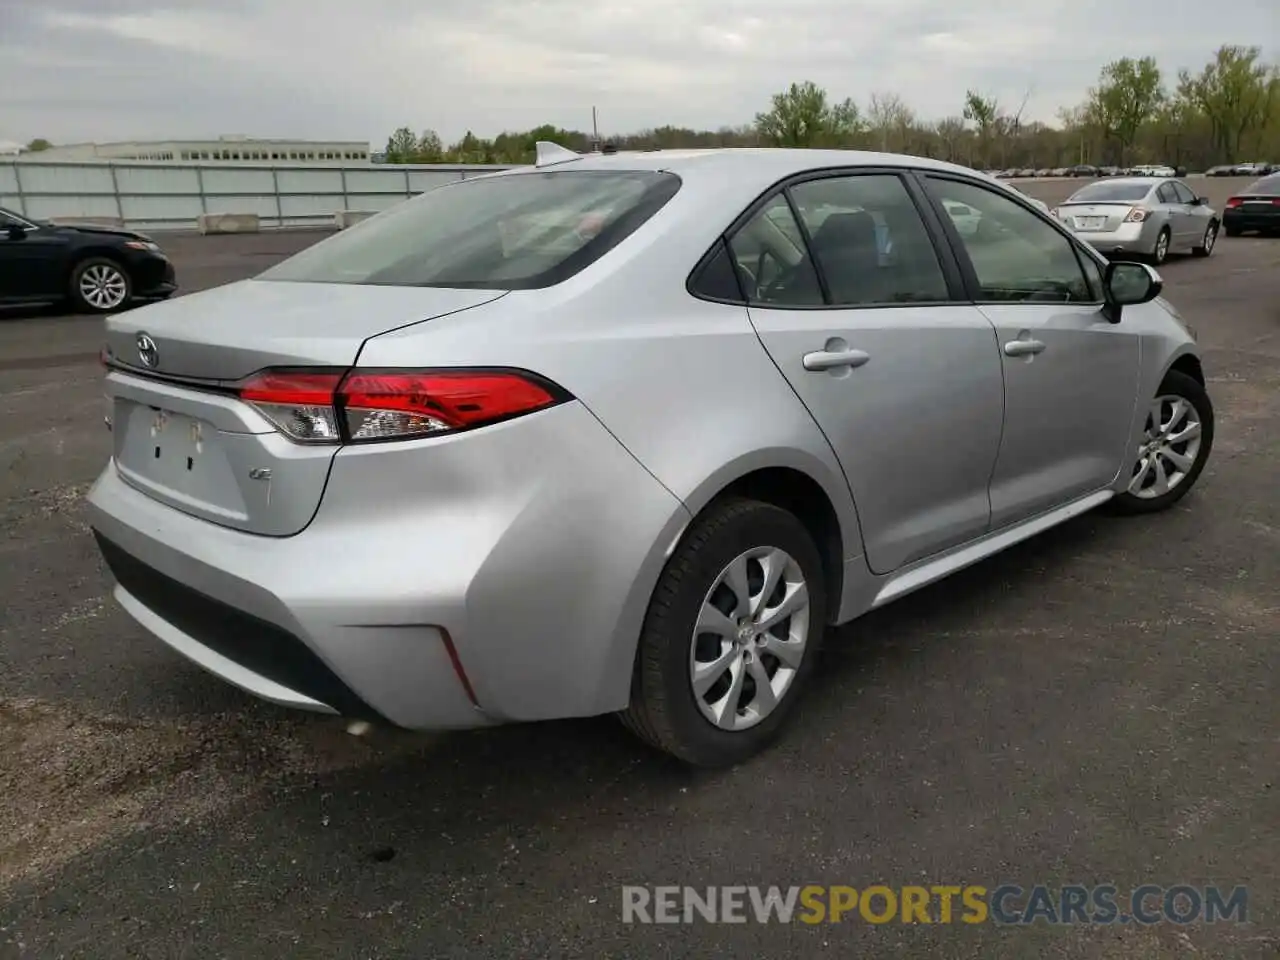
point(122, 69)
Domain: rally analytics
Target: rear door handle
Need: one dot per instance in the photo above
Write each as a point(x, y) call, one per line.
point(1023, 348)
point(834, 359)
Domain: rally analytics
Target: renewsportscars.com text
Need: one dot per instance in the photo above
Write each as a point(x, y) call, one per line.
point(943, 904)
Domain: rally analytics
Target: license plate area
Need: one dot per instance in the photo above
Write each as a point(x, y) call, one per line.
point(177, 458)
point(1090, 223)
point(177, 446)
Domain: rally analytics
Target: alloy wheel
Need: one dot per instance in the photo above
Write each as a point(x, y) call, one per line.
point(1162, 247)
point(1170, 446)
point(750, 638)
point(1210, 238)
point(103, 286)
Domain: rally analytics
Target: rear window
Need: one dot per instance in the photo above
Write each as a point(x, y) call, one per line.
point(516, 232)
point(1110, 192)
point(1267, 186)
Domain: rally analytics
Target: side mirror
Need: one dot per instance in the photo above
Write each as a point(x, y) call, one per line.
point(1128, 284)
point(16, 231)
point(1202, 201)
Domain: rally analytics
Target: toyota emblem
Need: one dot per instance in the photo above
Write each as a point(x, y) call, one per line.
point(148, 353)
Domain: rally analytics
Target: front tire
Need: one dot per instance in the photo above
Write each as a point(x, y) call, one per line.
point(1175, 446)
point(731, 635)
point(1208, 241)
point(100, 285)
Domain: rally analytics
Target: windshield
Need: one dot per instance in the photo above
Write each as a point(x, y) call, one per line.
point(1267, 186)
point(1109, 192)
point(515, 232)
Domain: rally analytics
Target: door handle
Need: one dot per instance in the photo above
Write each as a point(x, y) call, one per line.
point(1023, 348)
point(834, 359)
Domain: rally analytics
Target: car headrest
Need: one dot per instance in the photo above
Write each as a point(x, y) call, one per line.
point(846, 230)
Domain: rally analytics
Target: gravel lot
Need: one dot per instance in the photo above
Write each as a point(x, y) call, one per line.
point(1097, 705)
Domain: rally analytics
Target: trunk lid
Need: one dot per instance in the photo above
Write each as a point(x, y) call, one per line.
point(229, 332)
point(183, 438)
point(1094, 217)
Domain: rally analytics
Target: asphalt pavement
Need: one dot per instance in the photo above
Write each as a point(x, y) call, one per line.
point(1097, 705)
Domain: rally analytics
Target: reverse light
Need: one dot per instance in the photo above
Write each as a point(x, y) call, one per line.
point(1137, 215)
point(364, 406)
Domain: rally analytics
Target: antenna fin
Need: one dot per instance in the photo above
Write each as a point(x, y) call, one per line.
point(549, 153)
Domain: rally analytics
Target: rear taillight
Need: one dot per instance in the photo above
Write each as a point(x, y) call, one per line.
point(299, 403)
point(1233, 202)
point(1137, 215)
point(365, 406)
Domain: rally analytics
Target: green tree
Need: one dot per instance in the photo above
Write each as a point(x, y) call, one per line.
point(38, 144)
point(1237, 92)
point(402, 146)
point(984, 113)
point(428, 148)
point(1128, 94)
point(803, 116)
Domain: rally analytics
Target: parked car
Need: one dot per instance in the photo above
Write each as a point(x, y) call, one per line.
point(1251, 169)
point(1220, 171)
point(1256, 207)
point(93, 268)
point(1151, 216)
point(470, 464)
point(1082, 170)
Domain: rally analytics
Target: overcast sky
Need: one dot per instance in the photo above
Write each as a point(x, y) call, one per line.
point(355, 69)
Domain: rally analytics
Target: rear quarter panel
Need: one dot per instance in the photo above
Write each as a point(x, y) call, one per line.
point(683, 384)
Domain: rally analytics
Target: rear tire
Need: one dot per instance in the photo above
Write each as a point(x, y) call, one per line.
point(1160, 253)
point(100, 285)
point(1207, 242)
point(1175, 448)
point(1231, 231)
point(700, 626)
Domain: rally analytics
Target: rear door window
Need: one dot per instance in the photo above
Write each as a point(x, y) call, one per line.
point(869, 240)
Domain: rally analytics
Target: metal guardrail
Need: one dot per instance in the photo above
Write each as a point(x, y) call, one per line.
point(167, 195)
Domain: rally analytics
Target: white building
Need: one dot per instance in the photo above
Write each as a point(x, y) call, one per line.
point(231, 149)
point(9, 149)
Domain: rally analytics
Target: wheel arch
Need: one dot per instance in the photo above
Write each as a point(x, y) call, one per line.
point(1189, 364)
point(819, 500)
point(77, 256)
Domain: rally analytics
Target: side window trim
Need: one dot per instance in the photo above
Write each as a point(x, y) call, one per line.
point(806, 241)
point(953, 269)
point(973, 286)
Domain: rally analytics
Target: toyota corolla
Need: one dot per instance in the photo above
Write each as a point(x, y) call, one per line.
point(626, 434)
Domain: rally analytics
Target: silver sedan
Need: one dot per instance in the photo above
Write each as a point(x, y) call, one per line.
point(1142, 216)
point(625, 434)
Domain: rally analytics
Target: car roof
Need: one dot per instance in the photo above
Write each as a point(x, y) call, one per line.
point(751, 163)
point(1144, 181)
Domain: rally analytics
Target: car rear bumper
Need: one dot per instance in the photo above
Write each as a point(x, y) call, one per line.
point(1130, 239)
point(1236, 219)
point(424, 593)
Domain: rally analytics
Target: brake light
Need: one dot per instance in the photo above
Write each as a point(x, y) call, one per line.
point(1137, 215)
point(363, 406)
point(1233, 202)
